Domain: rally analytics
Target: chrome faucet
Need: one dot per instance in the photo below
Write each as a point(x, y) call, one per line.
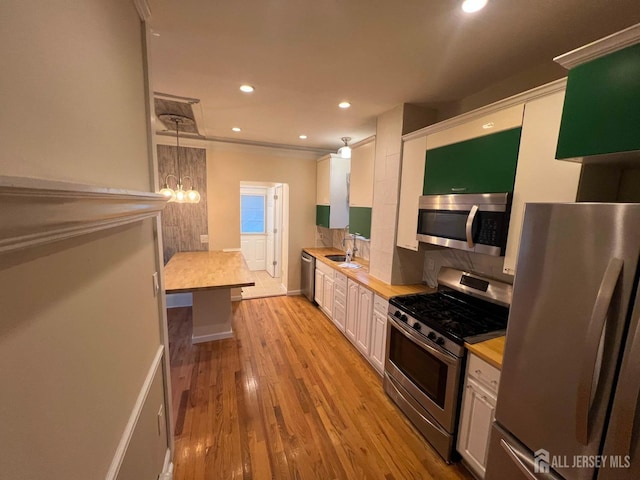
point(355, 248)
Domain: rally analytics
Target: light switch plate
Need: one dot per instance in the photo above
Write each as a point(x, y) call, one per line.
point(204, 238)
point(156, 284)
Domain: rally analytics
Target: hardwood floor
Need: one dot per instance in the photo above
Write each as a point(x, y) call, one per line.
point(288, 398)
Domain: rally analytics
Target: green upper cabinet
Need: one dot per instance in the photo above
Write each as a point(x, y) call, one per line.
point(485, 164)
point(601, 113)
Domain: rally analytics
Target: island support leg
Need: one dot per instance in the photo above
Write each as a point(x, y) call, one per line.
point(211, 315)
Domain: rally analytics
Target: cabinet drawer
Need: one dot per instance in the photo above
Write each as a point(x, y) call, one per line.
point(341, 281)
point(380, 305)
point(326, 269)
point(487, 375)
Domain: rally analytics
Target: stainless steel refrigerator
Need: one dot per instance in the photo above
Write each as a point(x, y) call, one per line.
point(568, 398)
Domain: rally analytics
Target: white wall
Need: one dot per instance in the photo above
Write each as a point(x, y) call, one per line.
point(80, 325)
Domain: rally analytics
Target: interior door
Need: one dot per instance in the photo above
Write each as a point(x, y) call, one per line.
point(576, 272)
point(269, 228)
point(277, 237)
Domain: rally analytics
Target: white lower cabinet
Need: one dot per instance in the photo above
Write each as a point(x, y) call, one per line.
point(351, 326)
point(318, 294)
point(363, 329)
point(379, 333)
point(340, 300)
point(478, 412)
point(356, 311)
point(324, 288)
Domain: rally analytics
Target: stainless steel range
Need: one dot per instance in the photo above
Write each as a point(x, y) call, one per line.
point(425, 348)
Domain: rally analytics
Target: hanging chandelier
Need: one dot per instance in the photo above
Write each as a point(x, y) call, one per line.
point(179, 194)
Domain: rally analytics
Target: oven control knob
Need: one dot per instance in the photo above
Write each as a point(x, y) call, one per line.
point(403, 317)
point(431, 336)
point(440, 341)
point(417, 326)
point(397, 314)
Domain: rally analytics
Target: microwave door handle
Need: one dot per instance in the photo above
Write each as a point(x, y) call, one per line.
point(469, 226)
point(592, 346)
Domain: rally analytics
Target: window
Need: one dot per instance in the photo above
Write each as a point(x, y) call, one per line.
point(252, 214)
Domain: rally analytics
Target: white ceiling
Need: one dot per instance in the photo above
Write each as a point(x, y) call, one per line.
point(304, 57)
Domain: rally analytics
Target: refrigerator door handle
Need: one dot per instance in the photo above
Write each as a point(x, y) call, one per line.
point(515, 457)
point(592, 345)
point(628, 393)
point(469, 226)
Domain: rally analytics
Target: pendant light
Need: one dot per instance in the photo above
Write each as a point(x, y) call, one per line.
point(179, 194)
point(345, 151)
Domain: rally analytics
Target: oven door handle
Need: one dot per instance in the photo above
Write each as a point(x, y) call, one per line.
point(448, 359)
point(469, 226)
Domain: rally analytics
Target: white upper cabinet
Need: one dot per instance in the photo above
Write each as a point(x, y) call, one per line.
point(412, 179)
point(539, 176)
point(332, 204)
point(362, 159)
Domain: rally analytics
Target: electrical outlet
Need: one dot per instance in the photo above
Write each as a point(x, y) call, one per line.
point(156, 284)
point(204, 238)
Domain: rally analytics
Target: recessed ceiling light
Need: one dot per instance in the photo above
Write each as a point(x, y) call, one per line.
point(236, 129)
point(471, 6)
point(344, 104)
point(247, 88)
point(302, 137)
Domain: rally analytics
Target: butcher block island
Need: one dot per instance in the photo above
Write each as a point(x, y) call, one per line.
point(209, 276)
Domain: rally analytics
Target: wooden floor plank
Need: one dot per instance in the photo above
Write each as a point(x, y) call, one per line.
point(289, 397)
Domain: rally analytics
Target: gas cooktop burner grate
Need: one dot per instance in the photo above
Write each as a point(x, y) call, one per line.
point(458, 316)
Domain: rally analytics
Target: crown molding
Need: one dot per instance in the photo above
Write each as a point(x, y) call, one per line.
point(364, 141)
point(524, 97)
point(36, 212)
point(600, 48)
point(281, 146)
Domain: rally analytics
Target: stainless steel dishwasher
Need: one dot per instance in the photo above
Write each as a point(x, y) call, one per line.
point(308, 276)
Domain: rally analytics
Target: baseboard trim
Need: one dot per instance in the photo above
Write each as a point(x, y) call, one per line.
point(211, 337)
point(167, 467)
point(294, 292)
point(121, 450)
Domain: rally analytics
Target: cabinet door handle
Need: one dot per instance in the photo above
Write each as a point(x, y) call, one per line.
point(458, 189)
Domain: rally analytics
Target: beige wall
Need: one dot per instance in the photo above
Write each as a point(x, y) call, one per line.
point(229, 164)
point(504, 88)
point(79, 323)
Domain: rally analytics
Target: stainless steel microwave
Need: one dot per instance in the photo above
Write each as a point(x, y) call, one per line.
point(472, 222)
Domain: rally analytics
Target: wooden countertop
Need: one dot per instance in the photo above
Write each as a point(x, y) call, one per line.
point(490, 351)
point(193, 271)
point(361, 275)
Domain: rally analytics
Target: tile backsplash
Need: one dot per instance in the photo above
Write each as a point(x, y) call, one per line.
point(485, 265)
point(333, 237)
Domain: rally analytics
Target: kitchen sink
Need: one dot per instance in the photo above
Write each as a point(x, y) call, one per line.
point(336, 258)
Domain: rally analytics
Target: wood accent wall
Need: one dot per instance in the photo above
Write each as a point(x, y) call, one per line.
point(182, 224)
